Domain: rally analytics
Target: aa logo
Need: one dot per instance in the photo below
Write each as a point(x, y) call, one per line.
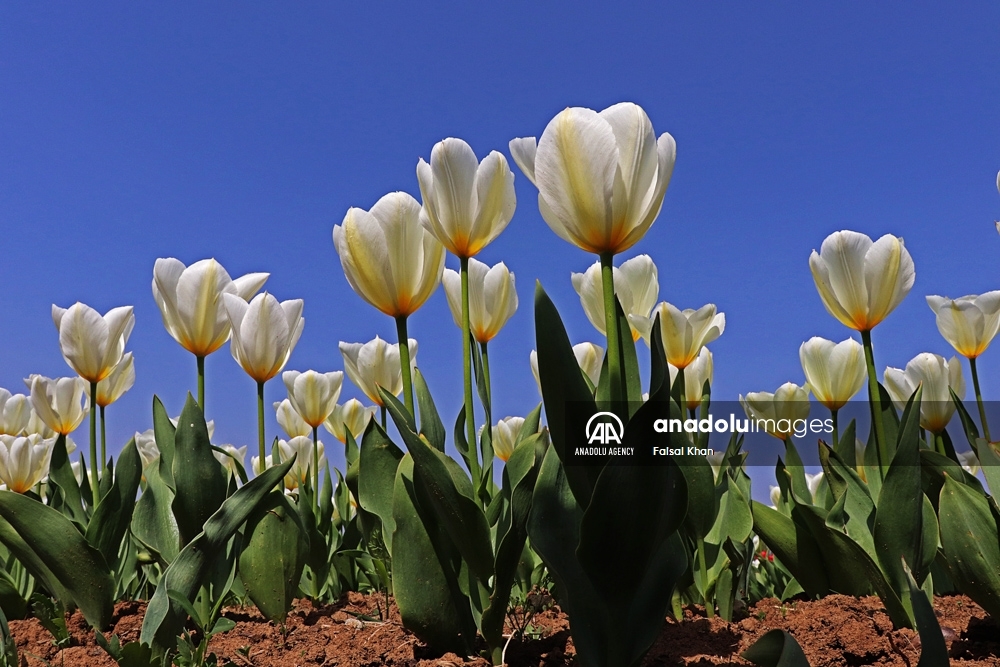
point(604, 428)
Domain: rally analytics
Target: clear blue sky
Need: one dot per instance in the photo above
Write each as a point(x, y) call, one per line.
point(244, 131)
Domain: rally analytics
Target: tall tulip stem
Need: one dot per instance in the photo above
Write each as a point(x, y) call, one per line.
point(95, 487)
point(315, 465)
point(201, 383)
point(611, 326)
point(470, 420)
point(260, 423)
point(836, 431)
point(404, 362)
point(483, 347)
point(875, 401)
point(979, 399)
point(104, 440)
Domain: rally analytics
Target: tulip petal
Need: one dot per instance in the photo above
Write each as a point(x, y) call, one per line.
point(889, 277)
point(452, 282)
point(523, 151)
point(247, 286)
point(495, 202)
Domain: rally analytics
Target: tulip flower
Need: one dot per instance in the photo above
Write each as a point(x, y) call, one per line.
point(969, 323)
point(695, 376)
point(777, 413)
point(39, 427)
point(15, 411)
point(815, 484)
point(589, 357)
point(264, 334)
point(290, 420)
point(24, 461)
point(145, 443)
point(492, 298)
point(636, 287)
point(391, 261)
point(860, 283)
point(58, 402)
point(233, 457)
point(190, 301)
point(938, 377)
point(301, 448)
point(466, 204)
point(835, 372)
point(505, 435)
point(351, 417)
point(313, 395)
point(684, 332)
point(376, 364)
point(601, 178)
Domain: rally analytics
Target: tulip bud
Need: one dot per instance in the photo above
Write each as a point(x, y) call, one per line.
point(684, 332)
point(969, 323)
point(492, 298)
point(15, 411)
point(636, 287)
point(264, 333)
point(191, 303)
point(92, 344)
point(466, 203)
point(861, 282)
point(601, 177)
point(938, 378)
point(835, 372)
point(376, 364)
point(505, 435)
point(145, 443)
point(312, 394)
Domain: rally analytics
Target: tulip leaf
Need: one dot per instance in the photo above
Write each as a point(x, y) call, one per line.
point(968, 425)
point(163, 434)
point(377, 464)
point(853, 511)
point(61, 475)
point(186, 574)
point(989, 458)
point(642, 623)
point(970, 543)
point(53, 551)
point(933, 650)
point(933, 468)
point(794, 547)
point(702, 499)
point(659, 370)
point(426, 570)
point(153, 521)
point(430, 422)
point(113, 515)
point(631, 389)
point(199, 480)
point(797, 473)
point(734, 520)
point(272, 559)
point(563, 388)
point(451, 495)
point(777, 648)
point(845, 448)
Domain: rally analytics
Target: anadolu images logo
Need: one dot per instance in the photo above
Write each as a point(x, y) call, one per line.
point(609, 429)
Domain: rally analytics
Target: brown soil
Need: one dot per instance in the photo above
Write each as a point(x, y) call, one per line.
point(837, 631)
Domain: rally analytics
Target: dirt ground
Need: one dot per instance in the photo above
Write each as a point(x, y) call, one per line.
point(837, 631)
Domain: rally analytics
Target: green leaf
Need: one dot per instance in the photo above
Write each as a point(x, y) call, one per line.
point(989, 458)
point(153, 521)
point(777, 648)
point(163, 620)
point(54, 552)
point(970, 543)
point(734, 520)
point(163, 433)
point(271, 563)
point(377, 464)
point(61, 475)
point(199, 480)
point(794, 547)
point(430, 422)
point(702, 499)
point(933, 650)
point(113, 515)
point(968, 425)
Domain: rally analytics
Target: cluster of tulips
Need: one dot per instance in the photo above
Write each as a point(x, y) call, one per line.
point(177, 519)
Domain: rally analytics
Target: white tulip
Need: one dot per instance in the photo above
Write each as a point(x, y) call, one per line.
point(376, 364)
point(636, 287)
point(234, 456)
point(601, 177)
point(191, 303)
point(466, 203)
point(290, 420)
point(589, 357)
point(695, 375)
point(302, 449)
point(24, 461)
point(145, 443)
point(351, 417)
point(775, 495)
point(938, 376)
point(777, 413)
point(684, 332)
point(969, 323)
point(834, 371)
point(15, 412)
point(492, 298)
point(264, 333)
point(58, 401)
point(860, 281)
point(505, 436)
point(113, 387)
point(312, 394)
point(39, 427)
point(93, 344)
point(389, 259)
point(814, 482)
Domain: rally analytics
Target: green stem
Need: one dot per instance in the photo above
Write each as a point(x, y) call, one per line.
point(383, 418)
point(95, 487)
point(470, 420)
point(979, 399)
point(836, 431)
point(201, 383)
point(487, 456)
point(404, 363)
point(875, 401)
point(611, 327)
point(104, 440)
point(681, 382)
point(260, 424)
point(703, 567)
point(315, 465)
point(939, 444)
